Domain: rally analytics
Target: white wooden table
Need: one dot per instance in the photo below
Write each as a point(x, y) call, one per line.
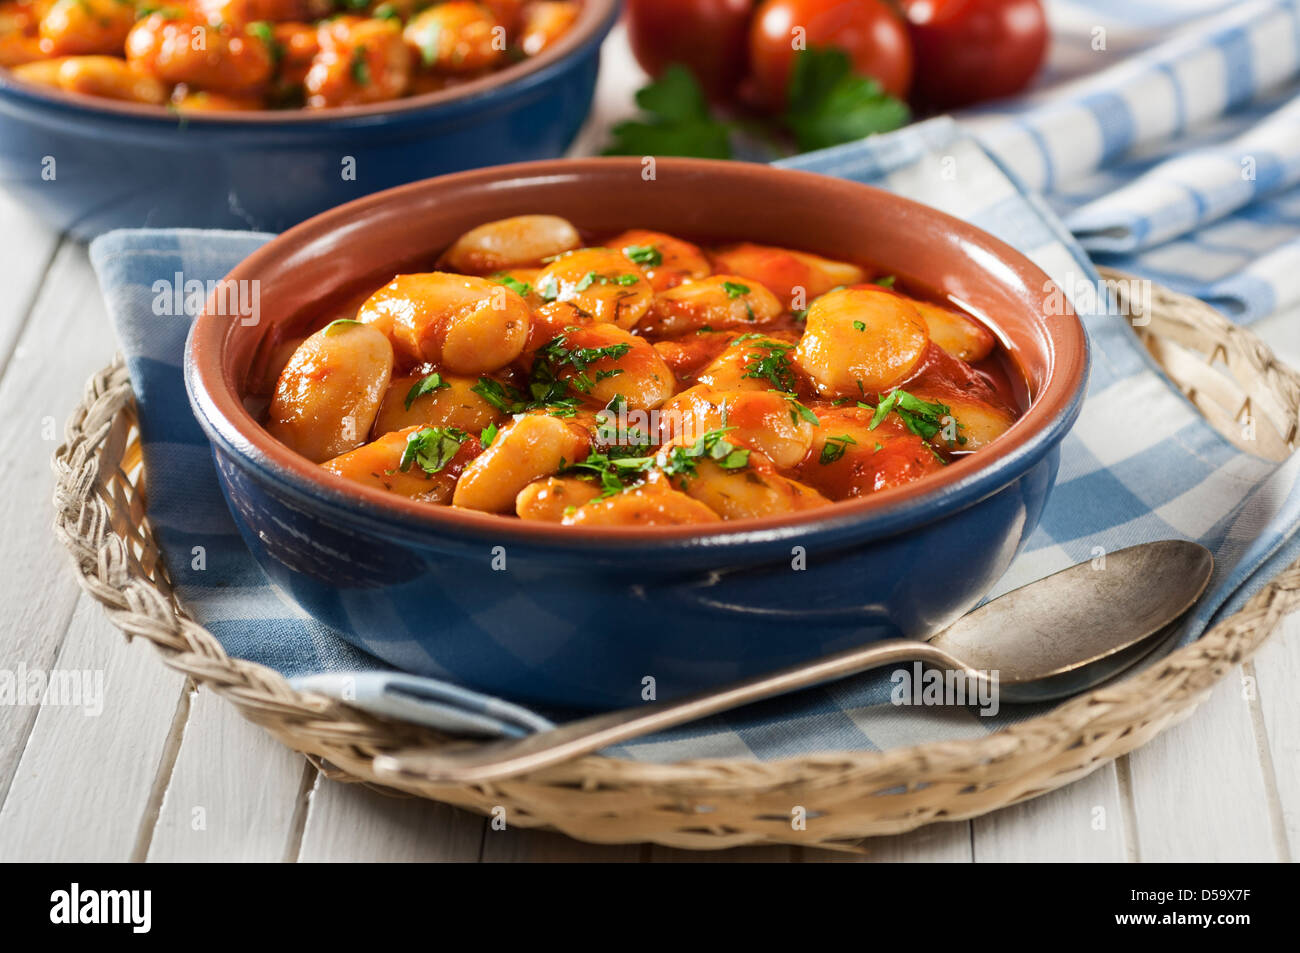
point(165, 773)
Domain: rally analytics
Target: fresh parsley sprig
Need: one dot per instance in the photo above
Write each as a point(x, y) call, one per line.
point(827, 104)
point(830, 104)
point(677, 121)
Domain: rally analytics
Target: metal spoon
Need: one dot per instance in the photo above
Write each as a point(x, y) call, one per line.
point(1052, 638)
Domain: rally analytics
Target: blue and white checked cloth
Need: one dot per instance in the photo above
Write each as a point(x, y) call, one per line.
point(1173, 153)
point(1140, 465)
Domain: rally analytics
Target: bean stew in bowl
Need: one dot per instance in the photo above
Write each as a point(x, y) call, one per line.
point(203, 55)
point(551, 429)
point(639, 380)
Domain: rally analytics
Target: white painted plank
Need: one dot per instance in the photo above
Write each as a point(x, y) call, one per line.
point(1198, 788)
point(26, 247)
point(82, 789)
point(347, 822)
point(233, 792)
point(66, 339)
point(518, 845)
point(1081, 822)
point(1277, 672)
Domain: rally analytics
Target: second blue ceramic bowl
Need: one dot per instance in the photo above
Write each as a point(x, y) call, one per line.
point(90, 165)
point(593, 617)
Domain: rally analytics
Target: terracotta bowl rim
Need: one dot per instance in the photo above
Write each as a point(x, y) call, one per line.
point(594, 21)
point(1052, 411)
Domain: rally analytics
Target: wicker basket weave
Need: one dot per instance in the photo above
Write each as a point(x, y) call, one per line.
point(714, 803)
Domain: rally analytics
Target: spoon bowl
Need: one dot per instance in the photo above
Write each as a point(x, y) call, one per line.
point(1080, 626)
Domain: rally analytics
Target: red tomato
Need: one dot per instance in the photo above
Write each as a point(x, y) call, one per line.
point(968, 51)
point(706, 36)
point(868, 30)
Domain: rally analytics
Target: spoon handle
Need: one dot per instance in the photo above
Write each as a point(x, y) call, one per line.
point(494, 760)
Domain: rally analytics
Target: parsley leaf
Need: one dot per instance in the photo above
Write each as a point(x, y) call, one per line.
point(677, 121)
point(798, 411)
point(266, 33)
point(432, 448)
point(829, 104)
point(922, 417)
point(426, 385)
point(503, 398)
point(488, 435)
point(834, 448)
point(735, 289)
point(334, 327)
point(360, 68)
point(646, 255)
point(548, 289)
point(521, 288)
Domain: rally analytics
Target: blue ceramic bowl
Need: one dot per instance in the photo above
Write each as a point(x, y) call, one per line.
point(583, 617)
point(88, 165)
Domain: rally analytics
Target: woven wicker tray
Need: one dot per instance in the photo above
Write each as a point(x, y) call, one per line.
point(1226, 371)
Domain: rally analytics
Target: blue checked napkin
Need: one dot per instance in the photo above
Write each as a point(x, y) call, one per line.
point(1140, 465)
point(1172, 152)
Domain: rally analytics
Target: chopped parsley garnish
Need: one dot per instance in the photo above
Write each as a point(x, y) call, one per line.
point(334, 327)
point(834, 448)
point(266, 33)
point(922, 417)
point(646, 255)
point(773, 366)
point(503, 398)
point(859, 326)
point(591, 278)
point(521, 288)
point(887, 281)
point(432, 448)
point(425, 385)
point(488, 435)
point(429, 44)
point(798, 411)
point(734, 289)
point(386, 11)
point(546, 388)
point(360, 68)
point(618, 472)
point(548, 289)
point(546, 384)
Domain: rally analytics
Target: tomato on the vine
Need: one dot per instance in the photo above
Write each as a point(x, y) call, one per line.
point(968, 51)
point(708, 37)
point(869, 31)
